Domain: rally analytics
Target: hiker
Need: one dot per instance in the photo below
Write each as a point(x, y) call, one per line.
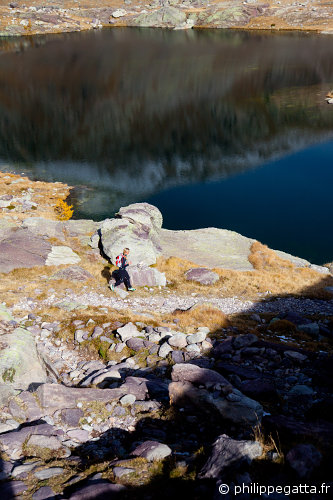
point(122, 275)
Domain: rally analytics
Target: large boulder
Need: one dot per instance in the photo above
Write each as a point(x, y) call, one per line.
point(17, 370)
point(22, 248)
point(136, 227)
point(142, 213)
point(146, 276)
point(165, 16)
point(187, 390)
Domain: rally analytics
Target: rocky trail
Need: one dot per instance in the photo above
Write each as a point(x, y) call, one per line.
point(202, 377)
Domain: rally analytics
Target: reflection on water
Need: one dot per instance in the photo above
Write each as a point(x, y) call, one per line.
point(126, 113)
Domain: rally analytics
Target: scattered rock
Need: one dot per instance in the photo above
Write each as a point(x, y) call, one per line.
point(164, 350)
point(178, 340)
point(197, 337)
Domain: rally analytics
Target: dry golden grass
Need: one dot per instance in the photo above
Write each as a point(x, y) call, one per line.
point(45, 194)
point(268, 443)
point(271, 273)
point(200, 315)
point(264, 259)
point(282, 325)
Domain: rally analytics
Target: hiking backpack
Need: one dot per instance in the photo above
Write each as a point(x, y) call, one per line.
point(118, 260)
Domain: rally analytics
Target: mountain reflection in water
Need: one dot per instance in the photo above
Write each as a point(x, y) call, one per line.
point(124, 114)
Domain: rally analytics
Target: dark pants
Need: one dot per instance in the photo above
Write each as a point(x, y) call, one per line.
point(122, 276)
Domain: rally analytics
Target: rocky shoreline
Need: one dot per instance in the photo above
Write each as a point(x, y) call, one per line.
point(18, 18)
point(203, 377)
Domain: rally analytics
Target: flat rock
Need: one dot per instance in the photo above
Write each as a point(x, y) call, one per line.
point(48, 473)
point(46, 447)
point(80, 227)
point(44, 493)
point(73, 273)
point(44, 227)
point(98, 489)
point(202, 275)
point(119, 472)
point(71, 416)
point(152, 450)
point(21, 248)
point(12, 489)
point(54, 396)
point(12, 442)
point(22, 471)
point(61, 255)
point(229, 452)
point(128, 331)
point(26, 406)
point(80, 435)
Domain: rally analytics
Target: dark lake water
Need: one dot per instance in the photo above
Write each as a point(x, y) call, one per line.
point(215, 127)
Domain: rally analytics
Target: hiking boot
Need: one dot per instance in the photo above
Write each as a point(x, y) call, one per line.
point(131, 289)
